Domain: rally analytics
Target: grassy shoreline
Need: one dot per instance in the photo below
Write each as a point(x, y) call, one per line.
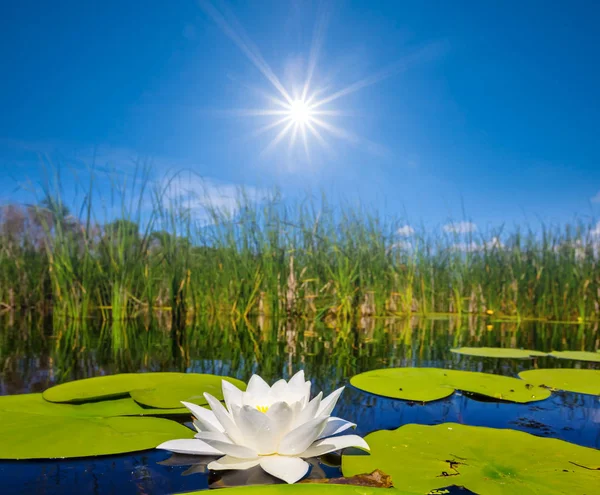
point(268, 258)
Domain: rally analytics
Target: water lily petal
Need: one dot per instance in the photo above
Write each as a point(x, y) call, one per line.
point(279, 389)
point(288, 469)
point(231, 449)
point(189, 446)
point(327, 445)
point(231, 394)
point(206, 419)
point(299, 388)
point(281, 415)
point(329, 402)
point(300, 438)
point(297, 381)
point(335, 426)
point(257, 387)
point(309, 412)
point(229, 462)
point(212, 435)
point(306, 392)
point(257, 429)
point(225, 419)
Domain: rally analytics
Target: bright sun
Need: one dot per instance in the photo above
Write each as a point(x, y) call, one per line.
point(300, 112)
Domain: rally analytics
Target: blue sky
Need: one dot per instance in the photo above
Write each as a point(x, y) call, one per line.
point(484, 109)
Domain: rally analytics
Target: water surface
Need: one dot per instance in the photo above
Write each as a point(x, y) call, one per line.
point(38, 352)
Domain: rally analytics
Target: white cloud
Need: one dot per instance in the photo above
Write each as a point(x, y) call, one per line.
point(115, 177)
point(401, 245)
point(467, 247)
point(405, 231)
point(595, 232)
point(595, 198)
point(460, 227)
point(472, 247)
point(495, 242)
point(202, 195)
point(577, 245)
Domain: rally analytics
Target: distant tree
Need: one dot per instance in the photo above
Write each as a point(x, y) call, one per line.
point(58, 210)
point(122, 229)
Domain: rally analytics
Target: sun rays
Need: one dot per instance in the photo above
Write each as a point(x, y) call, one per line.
point(301, 115)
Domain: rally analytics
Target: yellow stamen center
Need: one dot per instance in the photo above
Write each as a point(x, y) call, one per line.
point(262, 409)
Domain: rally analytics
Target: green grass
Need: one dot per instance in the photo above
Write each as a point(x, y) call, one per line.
point(273, 258)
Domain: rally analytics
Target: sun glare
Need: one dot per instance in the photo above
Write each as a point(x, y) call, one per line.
point(300, 112)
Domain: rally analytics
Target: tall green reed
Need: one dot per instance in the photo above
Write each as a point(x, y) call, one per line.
point(147, 247)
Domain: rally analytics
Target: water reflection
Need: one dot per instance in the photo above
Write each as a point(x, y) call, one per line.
point(38, 352)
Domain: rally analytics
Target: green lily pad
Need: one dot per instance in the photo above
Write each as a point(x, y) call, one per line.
point(498, 352)
point(485, 460)
point(121, 385)
point(37, 436)
point(188, 387)
point(427, 384)
point(36, 404)
point(307, 489)
point(570, 380)
point(577, 355)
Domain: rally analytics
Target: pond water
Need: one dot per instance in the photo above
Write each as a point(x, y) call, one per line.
point(38, 352)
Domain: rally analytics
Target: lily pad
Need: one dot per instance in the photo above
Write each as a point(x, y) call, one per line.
point(427, 384)
point(121, 385)
point(498, 352)
point(36, 404)
point(485, 460)
point(37, 436)
point(577, 355)
point(570, 380)
point(188, 387)
point(307, 489)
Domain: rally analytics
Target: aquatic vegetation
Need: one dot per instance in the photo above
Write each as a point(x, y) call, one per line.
point(175, 387)
point(272, 427)
point(427, 384)
point(308, 489)
point(577, 355)
point(498, 352)
point(31, 436)
point(100, 406)
point(502, 352)
point(36, 404)
point(266, 257)
point(485, 460)
point(578, 381)
point(280, 430)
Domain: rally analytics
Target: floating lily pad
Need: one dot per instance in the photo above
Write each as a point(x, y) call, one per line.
point(36, 436)
point(307, 489)
point(485, 460)
point(427, 384)
point(189, 387)
point(570, 380)
point(36, 404)
point(577, 355)
point(121, 385)
point(498, 352)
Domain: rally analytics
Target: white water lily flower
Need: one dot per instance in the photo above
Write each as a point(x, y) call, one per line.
point(275, 428)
